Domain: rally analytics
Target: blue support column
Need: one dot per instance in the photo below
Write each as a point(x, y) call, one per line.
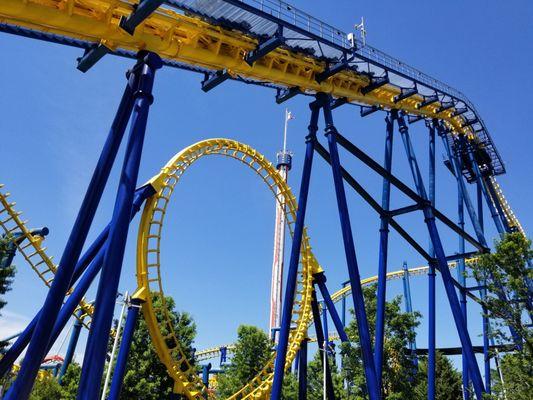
point(461, 266)
point(302, 371)
point(481, 183)
point(462, 192)
point(109, 279)
point(349, 247)
point(497, 221)
point(73, 342)
point(432, 334)
point(409, 309)
point(21, 388)
point(320, 280)
point(447, 279)
point(383, 250)
point(482, 295)
point(344, 284)
point(325, 325)
point(206, 368)
point(125, 345)
point(320, 339)
point(281, 354)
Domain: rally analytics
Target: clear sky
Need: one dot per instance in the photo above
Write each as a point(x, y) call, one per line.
point(217, 250)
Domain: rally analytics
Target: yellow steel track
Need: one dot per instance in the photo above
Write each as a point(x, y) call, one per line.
point(32, 251)
point(190, 41)
point(149, 265)
point(194, 42)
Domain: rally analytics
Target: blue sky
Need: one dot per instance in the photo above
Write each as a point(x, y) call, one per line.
point(218, 248)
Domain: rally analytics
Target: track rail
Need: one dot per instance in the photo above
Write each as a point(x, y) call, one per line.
point(179, 36)
point(213, 36)
point(149, 266)
point(32, 251)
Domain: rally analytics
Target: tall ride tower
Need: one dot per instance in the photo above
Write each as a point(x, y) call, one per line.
point(284, 162)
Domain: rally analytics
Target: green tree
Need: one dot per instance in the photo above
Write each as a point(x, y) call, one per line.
point(289, 391)
point(70, 382)
point(517, 371)
point(7, 272)
point(46, 389)
point(448, 382)
point(146, 377)
point(399, 375)
point(507, 275)
point(252, 351)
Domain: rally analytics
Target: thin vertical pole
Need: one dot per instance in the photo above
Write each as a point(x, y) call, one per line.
point(325, 325)
point(125, 345)
point(20, 390)
point(115, 346)
point(383, 250)
point(447, 279)
point(409, 309)
point(302, 371)
point(281, 354)
point(73, 342)
point(94, 360)
point(349, 248)
point(432, 332)
point(344, 284)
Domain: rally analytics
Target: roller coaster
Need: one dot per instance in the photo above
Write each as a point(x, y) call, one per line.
point(274, 45)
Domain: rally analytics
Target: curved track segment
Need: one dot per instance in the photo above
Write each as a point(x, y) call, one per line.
point(32, 251)
point(149, 265)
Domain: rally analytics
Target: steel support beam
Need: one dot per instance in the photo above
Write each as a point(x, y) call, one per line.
point(351, 258)
point(73, 342)
point(92, 56)
point(214, 79)
point(350, 180)
point(428, 100)
point(443, 266)
point(20, 390)
point(405, 93)
point(332, 70)
point(376, 83)
point(282, 95)
point(125, 345)
point(302, 370)
point(320, 338)
point(140, 13)
point(265, 47)
point(432, 309)
point(361, 155)
point(281, 354)
point(383, 251)
point(96, 350)
point(320, 280)
point(367, 110)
